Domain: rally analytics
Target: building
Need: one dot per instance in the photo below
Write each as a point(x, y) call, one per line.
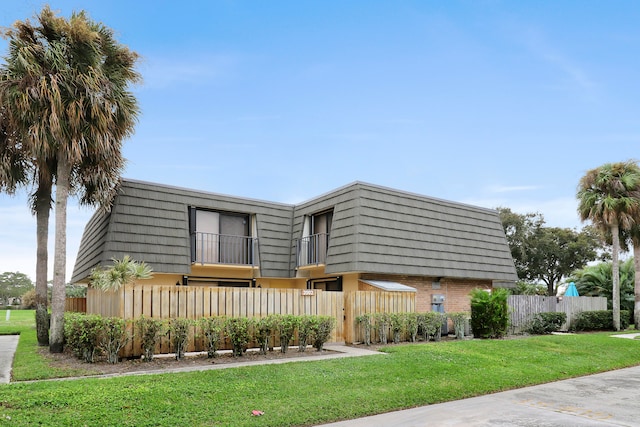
point(357, 237)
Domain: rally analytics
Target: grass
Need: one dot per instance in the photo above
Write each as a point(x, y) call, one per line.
point(28, 364)
point(316, 392)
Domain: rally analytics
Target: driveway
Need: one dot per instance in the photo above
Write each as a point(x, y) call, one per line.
point(607, 399)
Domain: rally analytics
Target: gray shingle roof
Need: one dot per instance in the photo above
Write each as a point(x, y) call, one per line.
point(374, 230)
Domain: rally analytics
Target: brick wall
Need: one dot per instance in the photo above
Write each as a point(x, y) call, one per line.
point(456, 292)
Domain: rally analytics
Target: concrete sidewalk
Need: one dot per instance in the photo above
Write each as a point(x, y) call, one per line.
point(607, 399)
point(8, 345)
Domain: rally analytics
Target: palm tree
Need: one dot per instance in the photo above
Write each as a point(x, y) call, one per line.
point(609, 196)
point(65, 91)
point(596, 281)
point(628, 238)
point(16, 168)
point(123, 272)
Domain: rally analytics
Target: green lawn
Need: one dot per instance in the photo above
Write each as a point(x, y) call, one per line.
point(19, 320)
point(316, 392)
point(27, 362)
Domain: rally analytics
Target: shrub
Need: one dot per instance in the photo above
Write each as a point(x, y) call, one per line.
point(212, 329)
point(396, 322)
point(322, 327)
point(149, 331)
point(238, 331)
point(82, 334)
point(29, 299)
point(263, 329)
point(546, 323)
point(599, 320)
point(382, 325)
point(489, 313)
point(178, 330)
point(459, 319)
point(113, 337)
point(306, 327)
point(286, 326)
point(411, 322)
point(431, 324)
point(365, 321)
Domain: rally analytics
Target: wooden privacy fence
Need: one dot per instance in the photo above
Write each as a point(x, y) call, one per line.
point(77, 305)
point(195, 302)
point(523, 307)
point(358, 303)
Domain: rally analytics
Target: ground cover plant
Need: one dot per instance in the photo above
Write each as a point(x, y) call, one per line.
point(407, 375)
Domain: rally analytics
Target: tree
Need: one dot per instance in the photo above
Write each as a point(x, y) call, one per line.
point(547, 254)
point(631, 237)
point(519, 230)
point(123, 272)
point(609, 196)
point(64, 92)
point(597, 281)
point(14, 285)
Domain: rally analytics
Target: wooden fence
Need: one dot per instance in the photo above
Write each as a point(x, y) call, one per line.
point(523, 307)
point(195, 302)
point(77, 305)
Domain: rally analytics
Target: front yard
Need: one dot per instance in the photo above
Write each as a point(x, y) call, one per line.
point(310, 393)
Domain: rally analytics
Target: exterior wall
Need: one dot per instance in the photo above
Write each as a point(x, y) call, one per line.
point(456, 292)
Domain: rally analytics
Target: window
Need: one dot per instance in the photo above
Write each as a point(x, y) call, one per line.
point(333, 284)
point(220, 237)
point(312, 248)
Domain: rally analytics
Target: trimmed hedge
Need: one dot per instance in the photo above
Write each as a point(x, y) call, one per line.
point(599, 320)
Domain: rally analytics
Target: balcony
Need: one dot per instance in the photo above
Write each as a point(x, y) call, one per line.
point(312, 250)
point(212, 248)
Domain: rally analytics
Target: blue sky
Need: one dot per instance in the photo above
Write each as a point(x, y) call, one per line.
point(491, 103)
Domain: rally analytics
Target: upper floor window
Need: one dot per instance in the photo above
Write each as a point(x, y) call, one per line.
point(312, 248)
point(220, 237)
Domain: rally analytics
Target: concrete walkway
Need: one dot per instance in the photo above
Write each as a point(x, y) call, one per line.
point(607, 399)
point(8, 345)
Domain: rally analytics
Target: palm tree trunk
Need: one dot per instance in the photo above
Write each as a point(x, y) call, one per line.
point(56, 343)
point(636, 263)
point(42, 208)
point(615, 273)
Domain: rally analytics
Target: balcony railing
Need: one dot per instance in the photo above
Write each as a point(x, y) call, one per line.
point(224, 249)
point(312, 249)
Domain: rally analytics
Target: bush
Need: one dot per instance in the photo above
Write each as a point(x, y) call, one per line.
point(430, 324)
point(82, 334)
point(321, 330)
point(411, 322)
point(238, 331)
point(306, 326)
point(263, 328)
point(546, 323)
point(113, 337)
point(396, 321)
point(213, 329)
point(179, 334)
point(599, 320)
point(29, 299)
point(489, 313)
point(149, 331)
point(365, 321)
point(286, 325)
point(459, 320)
point(382, 325)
